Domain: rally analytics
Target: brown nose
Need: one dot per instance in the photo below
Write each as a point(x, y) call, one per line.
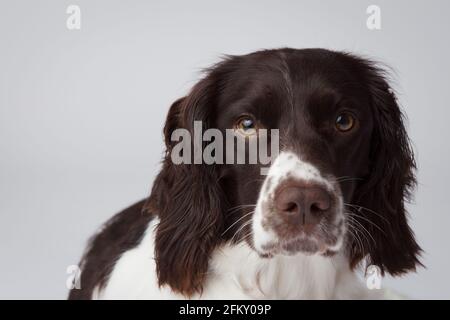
point(306, 205)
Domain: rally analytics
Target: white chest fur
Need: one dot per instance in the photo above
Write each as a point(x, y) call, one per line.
point(237, 272)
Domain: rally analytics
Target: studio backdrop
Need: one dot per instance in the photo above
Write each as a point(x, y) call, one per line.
point(85, 86)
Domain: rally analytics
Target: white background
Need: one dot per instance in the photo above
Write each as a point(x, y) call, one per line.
point(81, 112)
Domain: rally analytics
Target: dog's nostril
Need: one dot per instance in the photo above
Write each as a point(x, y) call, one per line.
point(291, 207)
point(320, 207)
point(315, 208)
point(287, 200)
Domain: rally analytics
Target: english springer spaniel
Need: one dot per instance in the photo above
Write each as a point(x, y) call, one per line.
point(331, 201)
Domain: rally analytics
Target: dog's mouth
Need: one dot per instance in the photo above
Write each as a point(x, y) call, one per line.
point(319, 243)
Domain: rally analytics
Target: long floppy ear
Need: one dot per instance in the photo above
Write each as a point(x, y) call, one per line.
point(187, 199)
point(382, 195)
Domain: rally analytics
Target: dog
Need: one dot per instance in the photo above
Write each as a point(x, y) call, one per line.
point(331, 202)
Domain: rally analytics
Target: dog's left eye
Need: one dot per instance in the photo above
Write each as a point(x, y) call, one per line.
point(246, 126)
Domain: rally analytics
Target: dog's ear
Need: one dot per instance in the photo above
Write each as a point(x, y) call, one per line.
point(188, 201)
point(174, 120)
point(381, 196)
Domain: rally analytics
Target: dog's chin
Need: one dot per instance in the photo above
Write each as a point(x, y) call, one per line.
point(305, 246)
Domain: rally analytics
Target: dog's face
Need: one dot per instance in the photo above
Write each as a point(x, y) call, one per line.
point(338, 183)
point(325, 125)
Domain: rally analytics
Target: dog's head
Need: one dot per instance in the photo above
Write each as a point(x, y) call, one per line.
point(339, 182)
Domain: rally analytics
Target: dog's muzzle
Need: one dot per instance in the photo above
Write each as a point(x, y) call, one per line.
point(298, 210)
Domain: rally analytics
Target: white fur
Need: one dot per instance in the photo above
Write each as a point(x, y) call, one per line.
point(233, 274)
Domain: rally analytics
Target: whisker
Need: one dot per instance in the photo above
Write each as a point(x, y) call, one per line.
point(363, 228)
point(358, 207)
point(244, 238)
point(240, 207)
point(360, 240)
point(253, 180)
point(354, 228)
point(239, 230)
point(245, 215)
point(368, 220)
point(347, 178)
point(353, 233)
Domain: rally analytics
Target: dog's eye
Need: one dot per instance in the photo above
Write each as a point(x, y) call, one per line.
point(345, 122)
point(246, 126)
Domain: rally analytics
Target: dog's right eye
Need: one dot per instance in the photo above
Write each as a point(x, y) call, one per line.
point(345, 122)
